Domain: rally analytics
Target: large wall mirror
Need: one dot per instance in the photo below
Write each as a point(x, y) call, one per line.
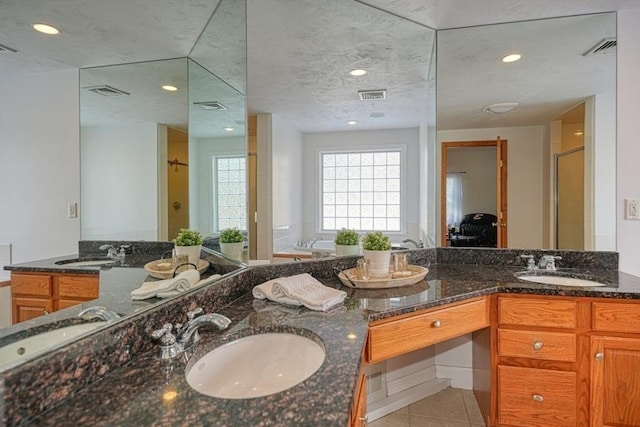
point(163, 142)
point(556, 109)
point(300, 55)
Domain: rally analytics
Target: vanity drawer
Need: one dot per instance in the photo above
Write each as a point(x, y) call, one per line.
point(31, 284)
point(536, 397)
point(402, 336)
point(616, 317)
point(537, 345)
point(537, 312)
point(84, 287)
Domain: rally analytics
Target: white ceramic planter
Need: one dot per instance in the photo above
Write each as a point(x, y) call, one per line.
point(378, 263)
point(347, 250)
point(193, 252)
point(232, 250)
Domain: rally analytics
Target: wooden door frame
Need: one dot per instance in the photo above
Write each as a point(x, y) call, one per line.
point(501, 184)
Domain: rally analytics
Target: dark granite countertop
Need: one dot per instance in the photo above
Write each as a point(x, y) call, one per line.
point(137, 394)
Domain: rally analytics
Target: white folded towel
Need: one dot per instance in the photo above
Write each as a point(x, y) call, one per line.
point(168, 287)
point(301, 289)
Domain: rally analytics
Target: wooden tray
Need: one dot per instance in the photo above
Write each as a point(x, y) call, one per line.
point(168, 274)
point(350, 279)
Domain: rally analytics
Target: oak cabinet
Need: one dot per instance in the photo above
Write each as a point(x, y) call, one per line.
point(615, 365)
point(563, 361)
point(358, 416)
point(36, 294)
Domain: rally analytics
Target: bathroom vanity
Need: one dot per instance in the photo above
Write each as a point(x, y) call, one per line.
point(524, 336)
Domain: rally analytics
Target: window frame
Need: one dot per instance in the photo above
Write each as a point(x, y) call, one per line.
point(215, 225)
point(379, 148)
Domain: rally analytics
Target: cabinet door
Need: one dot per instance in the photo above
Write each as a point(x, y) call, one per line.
point(615, 382)
point(29, 308)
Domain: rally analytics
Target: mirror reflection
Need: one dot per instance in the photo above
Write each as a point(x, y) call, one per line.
point(156, 138)
point(566, 64)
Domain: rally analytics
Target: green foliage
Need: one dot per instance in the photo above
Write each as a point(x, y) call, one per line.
point(347, 237)
point(376, 241)
point(231, 235)
point(188, 237)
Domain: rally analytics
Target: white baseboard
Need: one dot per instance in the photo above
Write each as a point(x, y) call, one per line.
point(404, 398)
point(460, 377)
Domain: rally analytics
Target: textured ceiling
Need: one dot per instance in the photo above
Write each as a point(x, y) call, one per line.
point(298, 57)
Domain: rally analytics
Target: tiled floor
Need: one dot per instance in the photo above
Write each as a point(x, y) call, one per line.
point(451, 407)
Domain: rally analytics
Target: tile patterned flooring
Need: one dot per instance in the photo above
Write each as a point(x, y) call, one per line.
point(451, 407)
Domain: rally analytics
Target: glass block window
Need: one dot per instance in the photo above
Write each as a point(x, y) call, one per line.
point(230, 195)
point(361, 190)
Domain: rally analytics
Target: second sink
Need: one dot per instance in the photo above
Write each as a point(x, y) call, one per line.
point(559, 280)
point(256, 366)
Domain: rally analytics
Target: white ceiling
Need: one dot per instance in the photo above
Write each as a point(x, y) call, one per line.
point(99, 32)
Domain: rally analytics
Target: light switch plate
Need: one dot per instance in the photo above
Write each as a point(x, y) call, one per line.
point(631, 209)
point(72, 210)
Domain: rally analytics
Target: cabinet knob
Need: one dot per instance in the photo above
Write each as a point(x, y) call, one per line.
point(364, 419)
point(537, 345)
point(45, 312)
point(537, 397)
point(598, 356)
point(436, 323)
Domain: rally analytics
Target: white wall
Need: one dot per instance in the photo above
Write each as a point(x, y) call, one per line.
point(119, 175)
point(287, 196)
point(40, 172)
point(356, 140)
point(628, 146)
point(201, 150)
point(524, 182)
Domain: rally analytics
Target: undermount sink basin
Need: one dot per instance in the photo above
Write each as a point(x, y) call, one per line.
point(29, 346)
point(85, 262)
point(559, 280)
point(256, 366)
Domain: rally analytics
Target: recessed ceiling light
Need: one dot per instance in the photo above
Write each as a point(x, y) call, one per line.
point(503, 107)
point(352, 122)
point(511, 58)
point(358, 72)
point(169, 88)
point(46, 29)
point(229, 129)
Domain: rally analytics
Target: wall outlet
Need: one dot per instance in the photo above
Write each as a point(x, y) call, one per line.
point(631, 209)
point(72, 210)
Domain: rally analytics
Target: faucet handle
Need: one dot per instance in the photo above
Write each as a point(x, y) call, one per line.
point(531, 264)
point(164, 334)
point(195, 313)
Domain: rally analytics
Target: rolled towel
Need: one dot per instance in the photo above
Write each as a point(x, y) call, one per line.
point(265, 291)
point(167, 287)
point(307, 290)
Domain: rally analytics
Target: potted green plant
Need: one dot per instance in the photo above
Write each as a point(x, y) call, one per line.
point(189, 242)
point(377, 249)
point(231, 242)
point(347, 243)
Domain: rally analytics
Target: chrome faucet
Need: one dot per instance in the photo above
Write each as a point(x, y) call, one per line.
point(312, 242)
point(113, 253)
point(416, 244)
point(548, 262)
point(173, 345)
point(98, 312)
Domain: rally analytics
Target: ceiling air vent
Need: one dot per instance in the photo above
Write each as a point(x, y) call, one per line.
point(368, 95)
point(607, 45)
point(105, 90)
point(211, 105)
point(7, 49)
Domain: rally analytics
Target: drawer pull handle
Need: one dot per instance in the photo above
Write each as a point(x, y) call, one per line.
point(537, 345)
point(537, 398)
point(437, 323)
point(599, 356)
point(365, 418)
point(45, 312)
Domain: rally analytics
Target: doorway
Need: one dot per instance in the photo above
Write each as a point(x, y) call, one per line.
point(497, 197)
